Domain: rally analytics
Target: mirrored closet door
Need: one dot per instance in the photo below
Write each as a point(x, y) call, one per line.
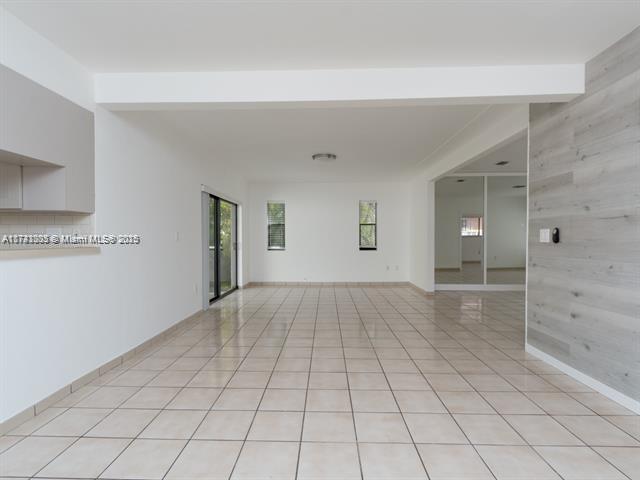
point(480, 230)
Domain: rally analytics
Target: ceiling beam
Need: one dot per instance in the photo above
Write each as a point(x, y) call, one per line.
point(27, 52)
point(307, 88)
point(495, 126)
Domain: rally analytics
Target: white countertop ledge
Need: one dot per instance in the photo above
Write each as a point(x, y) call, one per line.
point(19, 251)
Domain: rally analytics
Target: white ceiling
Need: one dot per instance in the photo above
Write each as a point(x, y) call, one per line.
point(190, 35)
point(514, 152)
point(371, 143)
point(383, 143)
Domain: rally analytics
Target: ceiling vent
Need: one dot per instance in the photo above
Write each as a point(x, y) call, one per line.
point(324, 157)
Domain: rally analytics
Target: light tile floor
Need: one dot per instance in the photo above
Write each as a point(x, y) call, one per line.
point(335, 383)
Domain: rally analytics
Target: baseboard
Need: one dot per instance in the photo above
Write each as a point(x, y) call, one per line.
point(480, 287)
point(339, 284)
point(505, 269)
point(53, 398)
point(17, 420)
point(327, 284)
point(607, 391)
point(421, 291)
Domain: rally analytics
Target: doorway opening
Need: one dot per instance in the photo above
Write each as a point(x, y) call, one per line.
point(481, 221)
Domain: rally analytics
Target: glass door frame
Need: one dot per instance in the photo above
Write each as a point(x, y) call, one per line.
point(216, 295)
point(233, 244)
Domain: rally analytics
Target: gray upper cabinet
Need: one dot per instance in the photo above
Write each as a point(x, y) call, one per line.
point(51, 139)
point(10, 186)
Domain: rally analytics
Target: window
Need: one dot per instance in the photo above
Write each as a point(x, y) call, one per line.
point(275, 226)
point(368, 225)
point(471, 227)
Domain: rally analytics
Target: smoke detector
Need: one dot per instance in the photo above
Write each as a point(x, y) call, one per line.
point(324, 157)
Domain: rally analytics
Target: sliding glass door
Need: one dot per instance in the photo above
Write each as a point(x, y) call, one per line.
point(227, 242)
point(222, 252)
point(212, 262)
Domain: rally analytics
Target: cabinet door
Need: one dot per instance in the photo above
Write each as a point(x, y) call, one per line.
point(44, 189)
point(10, 186)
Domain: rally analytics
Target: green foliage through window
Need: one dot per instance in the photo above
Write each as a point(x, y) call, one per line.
point(368, 225)
point(275, 226)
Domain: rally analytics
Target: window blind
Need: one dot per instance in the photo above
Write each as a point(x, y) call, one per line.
point(471, 227)
point(275, 226)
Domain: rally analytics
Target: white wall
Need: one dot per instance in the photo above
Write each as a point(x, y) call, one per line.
point(472, 249)
point(421, 232)
point(447, 234)
point(63, 314)
point(322, 233)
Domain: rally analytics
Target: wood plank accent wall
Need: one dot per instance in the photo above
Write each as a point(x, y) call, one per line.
point(584, 177)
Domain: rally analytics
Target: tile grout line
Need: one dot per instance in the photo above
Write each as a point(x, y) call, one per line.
point(394, 308)
point(137, 437)
point(532, 447)
point(306, 392)
point(434, 391)
point(498, 413)
point(255, 414)
point(384, 373)
point(346, 374)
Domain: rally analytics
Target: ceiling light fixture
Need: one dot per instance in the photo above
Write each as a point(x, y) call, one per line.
point(502, 163)
point(324, 157)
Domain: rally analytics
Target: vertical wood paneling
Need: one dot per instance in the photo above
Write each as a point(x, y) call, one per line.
point(584, 177)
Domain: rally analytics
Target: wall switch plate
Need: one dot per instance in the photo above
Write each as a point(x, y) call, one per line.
point(545, 235)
